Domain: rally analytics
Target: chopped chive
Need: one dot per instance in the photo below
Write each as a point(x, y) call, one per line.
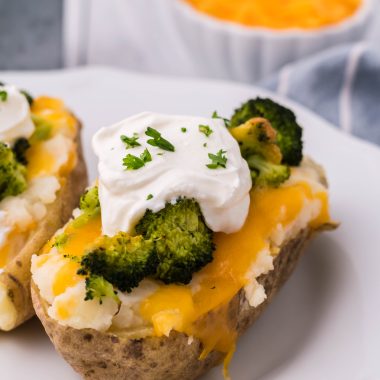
point(158, 141)
point(217, 160)
point(216, 116)
point(205, 129)
point(146, 156)
point(132, 162)
point(130, 142)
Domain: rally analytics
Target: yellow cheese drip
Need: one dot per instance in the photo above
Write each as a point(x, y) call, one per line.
point(279, 14)
point(79, 239)
point(41, 161)
point(65, 308)
point(176, 306)
point(66, 277)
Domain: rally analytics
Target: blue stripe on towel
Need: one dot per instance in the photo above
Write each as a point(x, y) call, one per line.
point(317, 83)
point(366, 98)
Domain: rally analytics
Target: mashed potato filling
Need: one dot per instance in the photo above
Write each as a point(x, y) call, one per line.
point(276, 216)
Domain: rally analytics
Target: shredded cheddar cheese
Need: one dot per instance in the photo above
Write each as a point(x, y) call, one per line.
point(279, 14)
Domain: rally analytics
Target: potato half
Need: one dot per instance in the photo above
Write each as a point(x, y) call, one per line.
point(15, 300)
point(98, 356)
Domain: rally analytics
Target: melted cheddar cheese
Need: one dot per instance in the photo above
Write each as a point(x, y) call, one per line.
point(222, 279)
point(42, 157)
point(279, 14)
point(78, 240)
point(40, 160)
point(54, 111)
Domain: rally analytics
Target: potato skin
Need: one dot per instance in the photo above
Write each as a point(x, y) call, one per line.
point(16, 276)
point(99, 356)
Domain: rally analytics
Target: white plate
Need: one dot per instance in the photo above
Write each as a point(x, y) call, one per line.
point(324, 324)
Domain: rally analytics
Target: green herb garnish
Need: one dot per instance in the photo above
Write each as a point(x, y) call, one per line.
point(146, 156)
point(3, 95)
point(216, 116)
point(132, 162)
point(158, 140)
point(205, 129)
point(205, 144)
point(217, 160)
point(130, 142)
point(150, 196)
point(183, 129)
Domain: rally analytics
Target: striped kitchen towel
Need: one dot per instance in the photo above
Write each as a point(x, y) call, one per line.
point(341, 84)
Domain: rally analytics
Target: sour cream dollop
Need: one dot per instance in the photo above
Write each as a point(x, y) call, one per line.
point(15, 117)
point(125, 195)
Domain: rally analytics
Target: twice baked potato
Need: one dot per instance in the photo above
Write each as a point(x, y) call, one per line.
point(147, 282)
point(99, 355)
point(44, 175)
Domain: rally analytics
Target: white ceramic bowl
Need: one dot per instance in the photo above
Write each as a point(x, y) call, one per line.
point(231, 51)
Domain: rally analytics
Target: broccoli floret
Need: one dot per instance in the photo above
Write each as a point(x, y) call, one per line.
point(182, 241)
point(171, 245)
point(90, 206)
point(19, 149)
point(283, 120)
point(60, 240)
point(98, 288)
point(257, 140)
point(265, 173)
point(122, 260)
point(89, 201)
point(257, 136)
point(12, 173)
point(43, 129)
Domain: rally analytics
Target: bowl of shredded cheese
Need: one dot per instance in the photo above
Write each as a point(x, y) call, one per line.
point(246, 40)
